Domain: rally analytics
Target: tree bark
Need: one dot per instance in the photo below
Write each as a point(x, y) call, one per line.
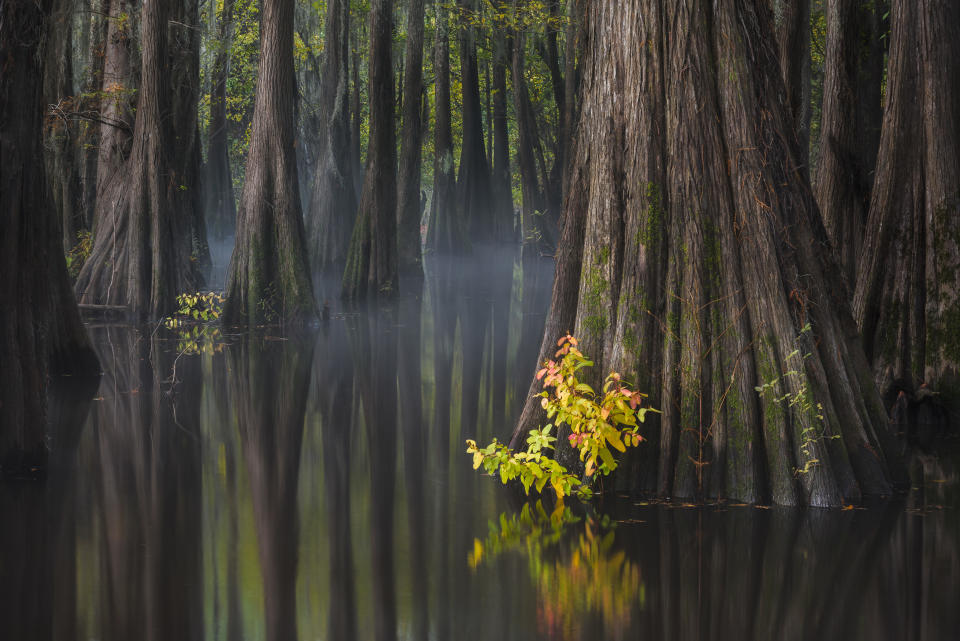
point(143, 246)
point(845, 166)
point(372, 258)
point(116, 106)
point(907, 298)
point(41, 335)
point(333, 201)
point(695, 264)
point(269, 277)
point(792, 19)
point(220, 204)
point(574, 43)
point(411, 140)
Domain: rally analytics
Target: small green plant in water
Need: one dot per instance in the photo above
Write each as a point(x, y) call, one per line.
point(599, 424)
point(800, 402)
point(193, 321)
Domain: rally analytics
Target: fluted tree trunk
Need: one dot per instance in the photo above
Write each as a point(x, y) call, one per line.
point(792, 21)
point(221, 208)
point(695, 264)
point(143, 240)
point(851, 94)
point(372, 257)
point(333, 200)
point(473, 177)
point(269, 278)
point(907, 299)
point(41, 335)
point(411, 141)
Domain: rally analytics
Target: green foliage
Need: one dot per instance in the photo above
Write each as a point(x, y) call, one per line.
point(599, 424)
point(193, 323)
point(801, 402)
point(79, 254)
point(531, 466)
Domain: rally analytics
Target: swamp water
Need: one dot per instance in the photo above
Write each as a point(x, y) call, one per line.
point(316, 487)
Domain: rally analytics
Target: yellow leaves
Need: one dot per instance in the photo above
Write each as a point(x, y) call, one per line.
point(475, 557)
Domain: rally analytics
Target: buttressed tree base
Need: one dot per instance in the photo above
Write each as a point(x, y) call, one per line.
point(695, 263)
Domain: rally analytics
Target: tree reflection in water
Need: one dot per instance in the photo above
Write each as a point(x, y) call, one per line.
point(316, 487)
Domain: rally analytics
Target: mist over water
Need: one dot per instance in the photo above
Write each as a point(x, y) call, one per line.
point(315, 486)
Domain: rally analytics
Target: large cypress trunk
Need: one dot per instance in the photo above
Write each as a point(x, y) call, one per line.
point(221, 209)
point(269, 278)
point(372, 258)
point(907, 298)
point(845, 166)
point(117, 85)
point(408, 186)
point(695, 263)
point(142, 248)
point(63, 168)
point(333, 201)
point(40, 331)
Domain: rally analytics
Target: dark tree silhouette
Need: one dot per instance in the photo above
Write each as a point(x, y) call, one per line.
point(40, 331)
point(444, 234)
point(411, 140)
point(372, 257)
point(907, 299)
point(850, 126)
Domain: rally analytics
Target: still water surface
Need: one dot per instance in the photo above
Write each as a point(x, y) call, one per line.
point(316, 487)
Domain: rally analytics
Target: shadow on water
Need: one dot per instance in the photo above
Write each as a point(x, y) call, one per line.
point(315, 486)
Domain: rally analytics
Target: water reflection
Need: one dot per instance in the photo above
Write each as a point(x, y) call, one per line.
point(269, 379)
point(315, 487)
